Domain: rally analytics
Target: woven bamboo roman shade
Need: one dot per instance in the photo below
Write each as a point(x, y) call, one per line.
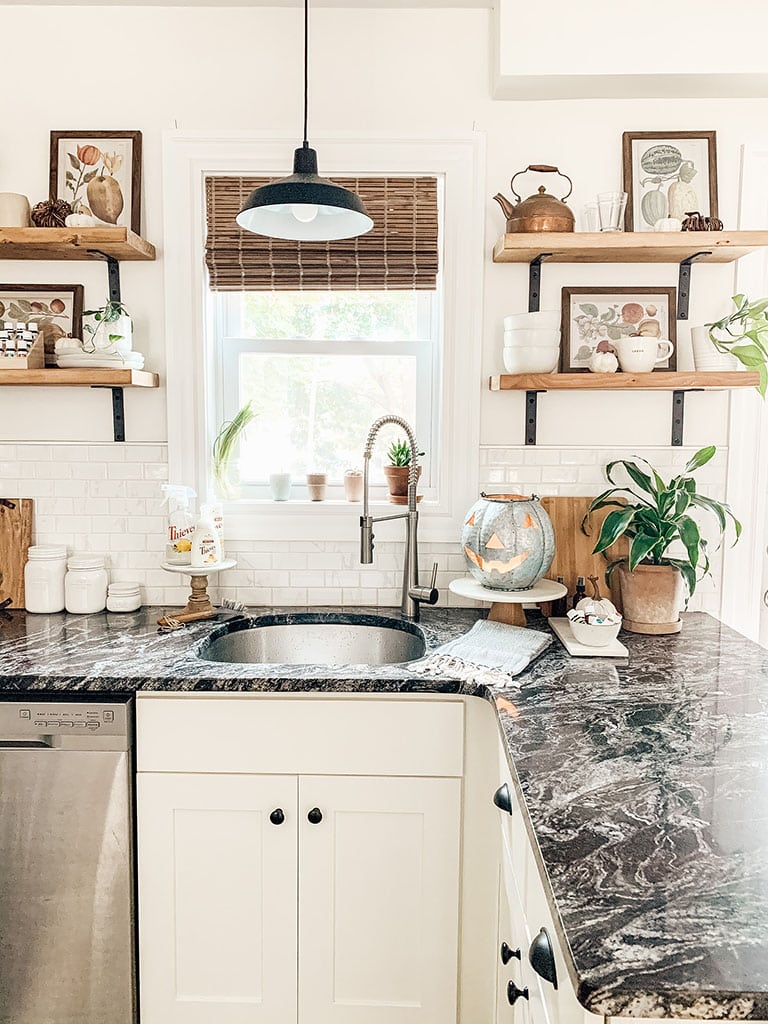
point(400, 252)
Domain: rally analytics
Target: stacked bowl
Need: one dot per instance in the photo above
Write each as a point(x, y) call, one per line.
point(532, 342)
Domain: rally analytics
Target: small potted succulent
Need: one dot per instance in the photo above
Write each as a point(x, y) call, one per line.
point(653, 579)
point(397, 471)
point(741, 335)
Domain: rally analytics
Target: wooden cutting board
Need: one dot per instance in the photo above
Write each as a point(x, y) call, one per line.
point(573, 549)
point(15, 539)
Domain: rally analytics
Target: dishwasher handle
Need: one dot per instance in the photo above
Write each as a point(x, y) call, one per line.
point(25, 744)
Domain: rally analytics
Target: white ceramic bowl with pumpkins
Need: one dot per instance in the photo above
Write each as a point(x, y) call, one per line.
point(595, 621)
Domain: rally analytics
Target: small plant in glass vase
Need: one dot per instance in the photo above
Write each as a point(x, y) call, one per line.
point(667, 552)
point(111, 332)
point(224, 478)
point(399, 455)
point(743, 333)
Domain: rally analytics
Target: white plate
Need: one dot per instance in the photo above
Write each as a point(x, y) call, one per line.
point(563, 632)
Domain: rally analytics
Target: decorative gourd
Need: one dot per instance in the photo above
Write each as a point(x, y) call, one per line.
point(603, 362)
point(596, 605)
point(80, 220)
point(653, 206)
point(508, 541)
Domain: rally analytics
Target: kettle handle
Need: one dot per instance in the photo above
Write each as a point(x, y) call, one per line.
point(541, 169)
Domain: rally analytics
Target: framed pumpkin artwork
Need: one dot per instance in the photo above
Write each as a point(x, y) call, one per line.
point(99, 174)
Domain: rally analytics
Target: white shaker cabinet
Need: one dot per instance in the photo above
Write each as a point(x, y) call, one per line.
point(217, 899)
point(378, 900)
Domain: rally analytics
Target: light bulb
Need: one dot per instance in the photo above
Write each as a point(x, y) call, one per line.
point(305, 212)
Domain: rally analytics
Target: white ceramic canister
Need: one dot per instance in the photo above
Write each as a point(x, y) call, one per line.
point(85, 585)
point(14, 210)
point(123, 597)
point(44, 578)
point(706, 356)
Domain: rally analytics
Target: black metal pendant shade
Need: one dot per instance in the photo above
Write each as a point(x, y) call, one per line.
point(304, 206)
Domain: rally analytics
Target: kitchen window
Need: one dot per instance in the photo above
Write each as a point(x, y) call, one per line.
point(323, 338)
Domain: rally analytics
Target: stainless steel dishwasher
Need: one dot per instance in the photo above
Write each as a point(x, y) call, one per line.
point(66, 863)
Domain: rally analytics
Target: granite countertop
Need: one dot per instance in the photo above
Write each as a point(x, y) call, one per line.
point(645, 783)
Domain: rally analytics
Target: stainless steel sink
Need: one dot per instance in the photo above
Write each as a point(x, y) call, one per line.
point(310, 638)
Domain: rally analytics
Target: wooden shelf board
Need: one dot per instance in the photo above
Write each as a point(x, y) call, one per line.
point(85, 378)
point(73, 244)
point(628, 246)
point(659, 381)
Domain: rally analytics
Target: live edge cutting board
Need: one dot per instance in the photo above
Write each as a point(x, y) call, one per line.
point(573, 549)
point(15, 539)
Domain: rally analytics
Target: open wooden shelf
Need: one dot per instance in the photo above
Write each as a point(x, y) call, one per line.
point(73, 244)
point(628, 246)
point(658, 381)
point(86, 378)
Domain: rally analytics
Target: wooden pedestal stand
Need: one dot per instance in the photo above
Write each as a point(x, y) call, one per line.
point(507, 605)
point(199, 604)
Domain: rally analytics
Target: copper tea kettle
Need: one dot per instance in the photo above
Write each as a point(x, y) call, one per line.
point(539, 212)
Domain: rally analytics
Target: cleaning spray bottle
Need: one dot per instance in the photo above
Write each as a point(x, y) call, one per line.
point(181, 523)
point(206, 546)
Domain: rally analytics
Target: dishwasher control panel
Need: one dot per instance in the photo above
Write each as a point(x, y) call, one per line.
point(35, 718)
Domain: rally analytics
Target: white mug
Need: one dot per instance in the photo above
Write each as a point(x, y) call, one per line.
point(639, 355)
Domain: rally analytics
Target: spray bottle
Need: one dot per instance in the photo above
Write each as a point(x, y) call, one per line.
point(181, 524)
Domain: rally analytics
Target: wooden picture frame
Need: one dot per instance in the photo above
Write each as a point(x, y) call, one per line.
point(662, 303)
point(662, 170)
point(86, 160)
point(37, 303)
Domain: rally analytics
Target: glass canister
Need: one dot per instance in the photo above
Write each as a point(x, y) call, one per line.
point(44, 578)
point(85, 585)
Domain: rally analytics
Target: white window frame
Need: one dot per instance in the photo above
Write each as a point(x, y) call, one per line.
point(187, 158)
point(227, 349)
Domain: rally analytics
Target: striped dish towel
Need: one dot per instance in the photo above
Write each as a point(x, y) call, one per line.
point(491, 653)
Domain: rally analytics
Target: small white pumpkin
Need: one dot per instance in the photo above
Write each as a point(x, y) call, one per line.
point(596, 605)
point(603, 362)
point(80, 220)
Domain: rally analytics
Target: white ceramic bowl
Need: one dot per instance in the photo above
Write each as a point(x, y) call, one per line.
point(595, 634)
point(531, 338)
point(531, 360)
point(545, 318)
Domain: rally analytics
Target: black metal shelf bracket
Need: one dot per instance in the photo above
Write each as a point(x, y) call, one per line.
point(118, 410)
point(534, 282)
point(684, 284)
point(531, 402)
point(113, 273)
point(678, 416)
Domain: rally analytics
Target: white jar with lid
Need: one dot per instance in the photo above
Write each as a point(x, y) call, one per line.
point(85, 585)
point(44, 578)
point(123, 597)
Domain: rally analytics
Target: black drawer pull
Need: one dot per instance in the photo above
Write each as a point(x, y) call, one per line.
point(503, 799)
point(542, 957)
point(507, 953)
point(315, 816)
point(277, 817)
point(514, 993)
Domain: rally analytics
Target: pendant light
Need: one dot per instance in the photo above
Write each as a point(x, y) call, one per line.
point(304, 206)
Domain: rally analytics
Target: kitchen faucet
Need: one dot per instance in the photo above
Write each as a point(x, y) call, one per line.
point(413, 594)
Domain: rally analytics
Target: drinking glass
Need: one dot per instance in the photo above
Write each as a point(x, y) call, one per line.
point(611, 207)
point(591, 217)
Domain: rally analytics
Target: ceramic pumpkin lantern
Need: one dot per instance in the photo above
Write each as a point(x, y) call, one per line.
point(508, 541)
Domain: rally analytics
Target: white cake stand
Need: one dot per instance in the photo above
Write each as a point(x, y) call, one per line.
point(199, 604)
point(507, 605)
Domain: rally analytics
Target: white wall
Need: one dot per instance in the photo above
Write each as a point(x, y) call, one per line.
point(374, 72)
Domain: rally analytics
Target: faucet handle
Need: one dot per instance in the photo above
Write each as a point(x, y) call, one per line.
point(433, 581)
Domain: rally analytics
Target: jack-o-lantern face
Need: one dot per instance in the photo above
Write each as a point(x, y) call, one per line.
point(508, 542)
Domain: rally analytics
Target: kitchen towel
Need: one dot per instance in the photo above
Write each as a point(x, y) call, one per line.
point(491, 653)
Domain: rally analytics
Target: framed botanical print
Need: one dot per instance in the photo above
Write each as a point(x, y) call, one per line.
point(99, 173)
point(57, 309)
point(595, 319)
point(668, 174)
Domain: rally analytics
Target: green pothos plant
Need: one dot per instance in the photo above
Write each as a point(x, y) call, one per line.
point(744, 333)
point(654, 515)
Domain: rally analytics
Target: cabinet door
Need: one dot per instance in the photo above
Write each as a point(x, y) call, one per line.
point(217, 899)
point(512, 930)
point(378, 900)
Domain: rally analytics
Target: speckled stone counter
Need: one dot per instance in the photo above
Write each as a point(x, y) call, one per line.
point(646, 784)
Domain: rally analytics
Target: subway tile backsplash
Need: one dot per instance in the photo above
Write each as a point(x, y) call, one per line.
point(105, 498)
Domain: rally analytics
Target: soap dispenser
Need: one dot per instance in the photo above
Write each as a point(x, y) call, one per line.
point(206, 546)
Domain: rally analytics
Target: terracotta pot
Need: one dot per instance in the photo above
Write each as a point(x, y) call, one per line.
point(651, 598)
point(316, 486)
point(397, 481)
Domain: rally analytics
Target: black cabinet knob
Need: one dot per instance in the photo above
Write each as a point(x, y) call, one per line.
point(503, 799)
point(315, 816)
point(542, 957)
point(277, 817)
point(514, 993)
point(507, 953)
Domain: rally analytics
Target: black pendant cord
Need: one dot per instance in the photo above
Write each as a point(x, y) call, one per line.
point(306, 68)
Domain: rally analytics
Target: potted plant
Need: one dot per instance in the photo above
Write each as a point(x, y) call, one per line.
point(113, 330)
point(397, 471)
point(223, 448)
point(653, 578)
point(741, 335)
